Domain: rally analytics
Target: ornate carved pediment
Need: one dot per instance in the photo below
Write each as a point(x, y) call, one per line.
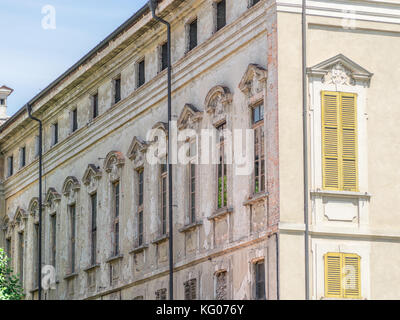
point(20, 219)
point(70, 188)
point(217, 102)
point(7, 226)
point(91, 175)
point(161, 126)
point(340, 70)
point(137, 151)
point(52, 199)
point(113, 163)
point(254, 80)
point(189, 117)
point(33, 209)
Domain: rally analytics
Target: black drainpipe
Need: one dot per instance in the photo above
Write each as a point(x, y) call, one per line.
point(305, 150)
point(153, 6)
point(29, 109)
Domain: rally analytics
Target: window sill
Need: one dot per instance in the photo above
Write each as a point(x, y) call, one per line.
point(139, 249)
point(220, 213)
point(71, 276)
point(190, 226)
point(346, 194)
point(257, 197)
point(92, 268)
point(115, 258)
point(161, 239)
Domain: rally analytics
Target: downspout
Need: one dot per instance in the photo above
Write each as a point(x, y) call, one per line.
point(153, 6)
point(29, 109)
point(305, 150)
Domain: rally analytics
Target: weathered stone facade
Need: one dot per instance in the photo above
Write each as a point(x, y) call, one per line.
point(217, 82)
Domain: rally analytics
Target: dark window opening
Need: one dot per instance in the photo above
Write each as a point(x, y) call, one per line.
point(74, 120)
point(190, 289)
point(93, 201)
point(141, 76)
point(164, 56)
point(95, 102)
point(23, 157)
point(193, 35)
point(116, 218)
point(72, 239)
point(10, 166)
point(254, 2)
point(221, 14)
point(260, 280)
point(55, 133)
point(117, 90)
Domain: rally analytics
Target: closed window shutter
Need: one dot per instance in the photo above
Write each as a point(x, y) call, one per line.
point(349, 141)
point(330, 140)
point(333, 277)
point(339, 141)
point(342, 275)
point(351, 278)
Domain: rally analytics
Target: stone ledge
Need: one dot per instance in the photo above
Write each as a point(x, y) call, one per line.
point(91, 268)
point(114, 258)
point(71, 276)
point(139, 249)
point(345, 194)
point(161, 239)
point(220, 213)
point(191, 226)
point(257, 197)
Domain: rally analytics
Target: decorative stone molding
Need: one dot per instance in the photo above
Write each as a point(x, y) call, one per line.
point(113, 163)
point(91, 177)
point(136, 152)
point(254, 80)
point(70, 184)
point(161, 126)
point(256, 198)
point(220, 213)
point(217, 102)
point(340, 70)
point(52, 199)
point(189, 117)
point(20, 218)
point(33, 209)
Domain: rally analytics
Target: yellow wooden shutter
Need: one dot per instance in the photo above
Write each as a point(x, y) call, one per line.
point(339, 141)
point(348, 141)
point(333, 277)
point(342, 275)
point(330, 140)
point(351, 282)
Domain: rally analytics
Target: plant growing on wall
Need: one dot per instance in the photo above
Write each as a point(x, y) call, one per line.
point(10, 285)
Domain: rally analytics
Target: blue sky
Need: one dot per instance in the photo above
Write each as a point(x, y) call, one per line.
point(32, 57)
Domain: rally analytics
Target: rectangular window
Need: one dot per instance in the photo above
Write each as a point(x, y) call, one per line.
point(10, 166)
point(21, 257)
point(95, 105)
point(192, 181)
point(342, 275)
point(221, 286)
point(74, 119)
point(117, 90)
point(190, 289)
point(140, 207)
point(93, 249)
point(164, 56)
point(116, 193)
point(221, 14)
point(8, 248)
point(222, 197)
point(22, 157)
point(164, 196)
point(259, 149)
point(339, 141)
point(54, 133)
point(2, 102)
point(141, 73)
point(161, 294)
point(193, 35)
point(259, 270)
point(53, 222)
point(37, 145)
point(254, 2)
point(72, 238)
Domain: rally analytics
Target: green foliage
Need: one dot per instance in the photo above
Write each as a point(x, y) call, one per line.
point(10, 286)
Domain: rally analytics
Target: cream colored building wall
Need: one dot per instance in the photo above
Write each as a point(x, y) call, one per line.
point(374, 236)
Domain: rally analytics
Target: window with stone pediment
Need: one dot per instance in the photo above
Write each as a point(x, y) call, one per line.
point(91, 178)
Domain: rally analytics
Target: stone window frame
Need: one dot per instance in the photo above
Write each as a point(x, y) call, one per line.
point(216, 274)
point(70, 191)
point(94, 96)
point(55, 133)
point(114, 81)
point(113, 166)
point(138, 85)
point(10, 165)
point(20, 226)
point(215, 15)
point(33, 210)
point(22, 157)
point(188, 22)
point(253, 263)
point(160, 56)
point(52, 203)
point(73, 120)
